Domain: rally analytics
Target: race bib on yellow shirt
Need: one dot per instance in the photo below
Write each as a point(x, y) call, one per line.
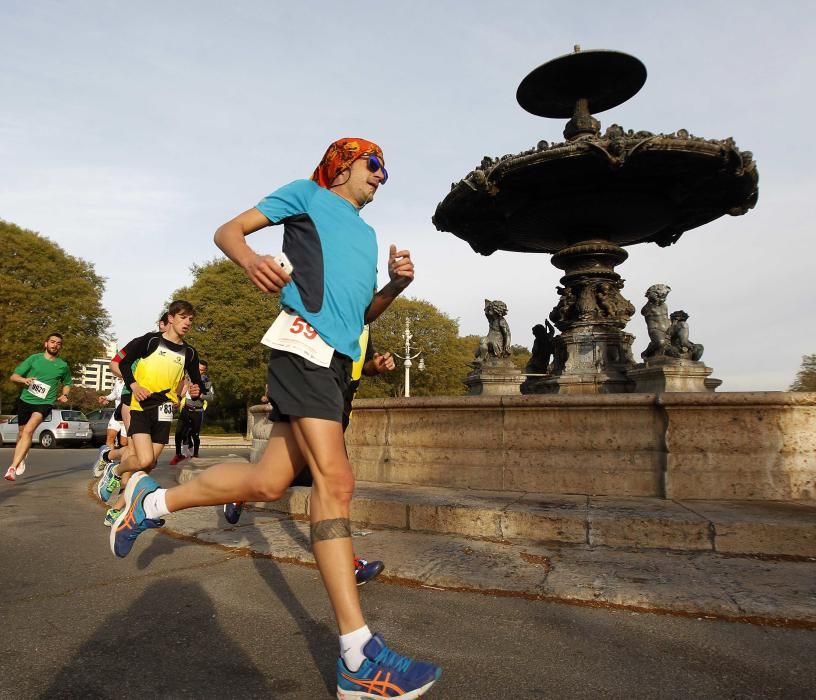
point(166, 412)
point(39, 389)
point(292, 333)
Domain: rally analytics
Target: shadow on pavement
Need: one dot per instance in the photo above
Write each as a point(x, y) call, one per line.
point(7, 488)
point(167, 644)
point(158, 547)
point(321, 639)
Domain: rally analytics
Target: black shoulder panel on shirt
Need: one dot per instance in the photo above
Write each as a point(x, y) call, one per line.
point(302, 246)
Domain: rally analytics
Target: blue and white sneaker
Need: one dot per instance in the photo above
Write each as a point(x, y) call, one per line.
point(109, 484)
point(232, 512)
point(99, 463)
point(365, 571)
point(132, 521)
point(385, 674)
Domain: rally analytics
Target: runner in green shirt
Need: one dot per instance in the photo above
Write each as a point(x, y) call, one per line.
point(40, 374)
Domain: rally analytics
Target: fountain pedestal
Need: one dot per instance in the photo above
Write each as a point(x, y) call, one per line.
point(593, 352)
point(495, 376)
point(661, 374)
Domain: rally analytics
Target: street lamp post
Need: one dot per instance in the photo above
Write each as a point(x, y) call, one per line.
point(408, 357)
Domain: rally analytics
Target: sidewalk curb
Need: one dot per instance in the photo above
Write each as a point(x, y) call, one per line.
point(702, 583)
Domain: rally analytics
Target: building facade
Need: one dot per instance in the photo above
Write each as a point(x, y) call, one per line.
point(96, 374)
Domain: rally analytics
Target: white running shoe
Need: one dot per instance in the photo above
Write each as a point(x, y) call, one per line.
point(186, 451)
point(100, 462)
point(10, 474)
point(21, 467)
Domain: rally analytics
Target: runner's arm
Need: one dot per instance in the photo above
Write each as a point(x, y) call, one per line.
point(20, 372)
point(401, 272)
point(67, 381)
point(19, 379)
point(263, 270)
point(134, 350)
point(114, 367)
point(192, 372)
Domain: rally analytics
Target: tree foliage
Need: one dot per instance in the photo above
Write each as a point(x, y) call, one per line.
point(231, 317)
point(84, 399)
point(436, 335)
point(43, 290)
point(806, 376)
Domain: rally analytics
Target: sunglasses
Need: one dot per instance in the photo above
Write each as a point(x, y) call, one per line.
point(375, 164)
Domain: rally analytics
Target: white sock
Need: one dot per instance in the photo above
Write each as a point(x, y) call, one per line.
point(155, 505)
point(351, 647)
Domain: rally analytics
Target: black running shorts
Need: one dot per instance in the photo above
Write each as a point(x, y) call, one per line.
point(147, 422)
point(25, 410)
point(300, 388)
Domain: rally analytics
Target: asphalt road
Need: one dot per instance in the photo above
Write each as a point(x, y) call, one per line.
point(179, 619)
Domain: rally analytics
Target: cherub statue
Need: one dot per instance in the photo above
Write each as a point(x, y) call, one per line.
point(657, 319)
point(679, 343)
point(605, 298)
point(562, 311)
point(543, 346)
point(497, 341)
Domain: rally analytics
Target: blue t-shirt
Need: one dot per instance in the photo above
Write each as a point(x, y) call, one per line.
point(334, 255)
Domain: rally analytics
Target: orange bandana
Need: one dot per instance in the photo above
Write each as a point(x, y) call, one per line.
point(340, 155)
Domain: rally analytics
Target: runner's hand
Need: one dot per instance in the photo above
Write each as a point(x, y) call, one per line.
point(139, 391)
point(195, 391)
point(383, 363)
point(265, 272)
point(400, 267)
point(62, 398)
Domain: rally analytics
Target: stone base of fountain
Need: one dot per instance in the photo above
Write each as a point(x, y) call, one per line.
point(495, 377)
point(590, 361)
point(661, 374)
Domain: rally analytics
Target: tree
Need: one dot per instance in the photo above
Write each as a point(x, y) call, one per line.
point(45, 290)
point(520, 356)
point(83, 399)
point(806, 376)
point(436, 334)
point(232, 316)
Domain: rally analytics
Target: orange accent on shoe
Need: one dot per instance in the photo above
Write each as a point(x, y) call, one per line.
point(375, 685)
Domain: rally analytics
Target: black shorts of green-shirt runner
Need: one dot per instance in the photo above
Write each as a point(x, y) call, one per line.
point(25, 410)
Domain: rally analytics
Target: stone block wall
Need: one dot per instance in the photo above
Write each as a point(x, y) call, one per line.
point(759, 445)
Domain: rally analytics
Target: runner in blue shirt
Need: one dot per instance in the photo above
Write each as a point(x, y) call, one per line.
point(326, 301)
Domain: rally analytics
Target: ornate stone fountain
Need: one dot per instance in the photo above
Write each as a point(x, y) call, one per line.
point(585, 199)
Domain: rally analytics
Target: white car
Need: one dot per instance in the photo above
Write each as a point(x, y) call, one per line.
point(64, 426)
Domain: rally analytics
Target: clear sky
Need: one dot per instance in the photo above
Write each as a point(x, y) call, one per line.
point(130, 132)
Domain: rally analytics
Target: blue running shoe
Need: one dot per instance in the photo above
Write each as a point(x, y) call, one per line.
point(109, 484)
point(132, 521)
point(232, 512)
point(365, 571)
point(100, 461)
point(385, 674)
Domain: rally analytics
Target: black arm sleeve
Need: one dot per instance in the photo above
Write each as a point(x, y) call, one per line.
point(191, 367)
point(134, 350)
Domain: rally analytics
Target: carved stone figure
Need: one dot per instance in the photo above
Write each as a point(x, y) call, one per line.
point(656, 314)
point(679, 343)
point(497, 341)
point(604, 296)
point(564, 310)
point(543, 346)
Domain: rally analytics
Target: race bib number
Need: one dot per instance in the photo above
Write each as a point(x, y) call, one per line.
point(293, 334)
point(166, 412)
point(39, 389)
